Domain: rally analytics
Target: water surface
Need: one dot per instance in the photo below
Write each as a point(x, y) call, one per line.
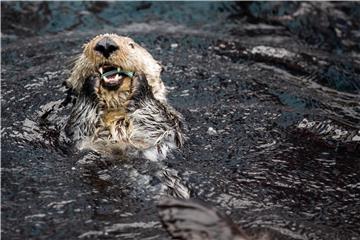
point(270, 93)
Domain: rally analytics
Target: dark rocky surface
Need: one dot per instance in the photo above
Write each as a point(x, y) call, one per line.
point(186, 219)
point(270, 92)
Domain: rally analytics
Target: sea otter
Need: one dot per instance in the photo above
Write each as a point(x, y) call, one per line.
point(121, 102)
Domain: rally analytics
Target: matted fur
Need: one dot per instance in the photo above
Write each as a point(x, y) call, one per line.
point(132, 119)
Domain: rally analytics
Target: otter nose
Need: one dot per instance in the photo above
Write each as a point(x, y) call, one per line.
point(106, 46)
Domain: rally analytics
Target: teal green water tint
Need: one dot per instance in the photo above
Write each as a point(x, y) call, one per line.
point(109, 73)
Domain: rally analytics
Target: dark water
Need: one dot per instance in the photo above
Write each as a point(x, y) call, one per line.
point(270, 92)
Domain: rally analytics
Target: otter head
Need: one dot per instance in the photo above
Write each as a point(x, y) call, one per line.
point(114, 60)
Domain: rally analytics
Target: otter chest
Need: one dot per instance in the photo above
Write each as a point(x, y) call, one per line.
point(113, 124)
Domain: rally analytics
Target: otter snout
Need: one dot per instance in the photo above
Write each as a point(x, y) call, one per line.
point(106, 46)
point(114, 58)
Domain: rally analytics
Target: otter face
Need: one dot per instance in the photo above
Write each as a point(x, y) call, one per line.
point(115, 59)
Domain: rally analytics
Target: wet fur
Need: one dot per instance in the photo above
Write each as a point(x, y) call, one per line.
point(132, 120)
point(130, 56)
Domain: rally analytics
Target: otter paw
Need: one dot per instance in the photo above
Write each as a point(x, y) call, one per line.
point(140, 85)
point(91, 85)
point(140, 90)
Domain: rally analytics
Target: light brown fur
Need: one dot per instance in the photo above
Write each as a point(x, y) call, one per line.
point(130, 57)
point(131, 118)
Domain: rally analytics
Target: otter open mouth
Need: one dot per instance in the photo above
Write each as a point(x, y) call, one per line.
point(112, 77)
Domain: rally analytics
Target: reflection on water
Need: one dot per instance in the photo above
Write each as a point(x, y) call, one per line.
point(270, 94)
point(144, 179)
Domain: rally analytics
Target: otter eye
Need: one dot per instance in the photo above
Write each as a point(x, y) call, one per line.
point(132, 45)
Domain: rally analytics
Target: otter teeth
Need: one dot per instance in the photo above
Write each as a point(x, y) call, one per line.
point(118, 77)
point(101, 70)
